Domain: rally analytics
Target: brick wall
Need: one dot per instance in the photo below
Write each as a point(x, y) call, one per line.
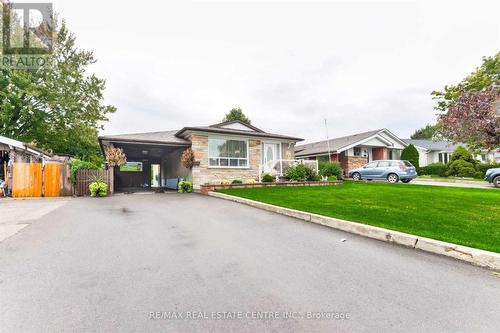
point(203, 174)
point(351, 162)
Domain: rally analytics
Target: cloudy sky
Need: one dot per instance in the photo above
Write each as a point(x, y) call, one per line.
point(288, 64)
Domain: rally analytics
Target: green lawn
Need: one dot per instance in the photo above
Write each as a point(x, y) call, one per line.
point(465, 216)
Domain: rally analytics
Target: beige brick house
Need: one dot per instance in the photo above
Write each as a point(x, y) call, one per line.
point(226, 151)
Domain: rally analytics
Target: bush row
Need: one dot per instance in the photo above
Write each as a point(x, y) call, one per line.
point(459, 168)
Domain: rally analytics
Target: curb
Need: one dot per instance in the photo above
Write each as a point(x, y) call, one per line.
point(471, 255)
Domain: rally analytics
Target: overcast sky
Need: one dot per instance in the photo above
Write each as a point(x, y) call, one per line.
point(289, 65)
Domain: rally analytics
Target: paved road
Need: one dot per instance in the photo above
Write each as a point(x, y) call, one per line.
point(106, 264)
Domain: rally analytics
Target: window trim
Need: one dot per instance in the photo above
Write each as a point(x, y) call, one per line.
point(228, 158)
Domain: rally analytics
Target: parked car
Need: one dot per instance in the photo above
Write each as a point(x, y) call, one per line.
point(392, 170)
point(493, 176)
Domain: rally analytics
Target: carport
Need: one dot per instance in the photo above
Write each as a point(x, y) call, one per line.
point(152, 160)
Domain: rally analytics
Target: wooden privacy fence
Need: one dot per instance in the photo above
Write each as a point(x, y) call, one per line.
point(86, 176)
point(36, 180)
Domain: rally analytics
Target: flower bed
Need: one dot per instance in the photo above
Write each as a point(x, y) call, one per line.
point(212, 187)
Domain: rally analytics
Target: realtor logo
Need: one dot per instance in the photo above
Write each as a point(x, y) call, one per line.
point(28, 28)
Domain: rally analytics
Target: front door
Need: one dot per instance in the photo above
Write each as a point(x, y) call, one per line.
point(270, 153)
point(155, 175)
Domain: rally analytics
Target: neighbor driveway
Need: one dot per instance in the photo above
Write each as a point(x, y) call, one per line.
point(106, 264)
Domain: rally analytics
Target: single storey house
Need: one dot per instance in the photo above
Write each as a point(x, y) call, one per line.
point(225, 151)
point(14, 151)
point(439, 151)
point(356, 150)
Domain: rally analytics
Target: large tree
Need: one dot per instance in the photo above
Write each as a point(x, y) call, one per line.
point(469, 111)
point(58, 107)
point(427, 132)
point(236, 114)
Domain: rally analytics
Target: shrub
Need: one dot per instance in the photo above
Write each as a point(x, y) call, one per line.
point(185, 187)
point(327, 169)
point(461, 168)
point(267, 178)
point(434, 169)
point(98, 188)
point(236, 181)
point(481, 168)
point(461, 153)
point(225, 182)
point(301, 173)
point(76, 164)
point(332, 178)
point(410, 153)
point(250, 181)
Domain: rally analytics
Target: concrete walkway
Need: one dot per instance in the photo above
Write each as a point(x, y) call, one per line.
point(127, 262)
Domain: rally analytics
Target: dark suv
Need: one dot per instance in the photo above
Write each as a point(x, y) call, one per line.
point(493, 176)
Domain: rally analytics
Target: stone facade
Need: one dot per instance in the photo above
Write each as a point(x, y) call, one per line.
point(202, 174)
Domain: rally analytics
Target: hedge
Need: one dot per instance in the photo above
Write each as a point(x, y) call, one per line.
point(434, 169)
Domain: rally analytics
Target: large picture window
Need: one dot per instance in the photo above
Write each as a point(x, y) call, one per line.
point(227, 153)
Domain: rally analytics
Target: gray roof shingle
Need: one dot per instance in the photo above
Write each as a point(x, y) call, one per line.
point(335, 144)
point(149, 137)
point(440, 145)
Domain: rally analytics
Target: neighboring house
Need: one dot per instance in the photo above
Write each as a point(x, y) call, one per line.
point(229, 150)
point(16, 151)
point(439, 151)
point(354, 151)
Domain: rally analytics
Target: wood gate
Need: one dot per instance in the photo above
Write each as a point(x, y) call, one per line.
point(52, 179)
point(26, 180)
point(33, 180)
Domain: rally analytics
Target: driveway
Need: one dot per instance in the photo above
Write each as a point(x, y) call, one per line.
point(127, 262)
point(470, 184)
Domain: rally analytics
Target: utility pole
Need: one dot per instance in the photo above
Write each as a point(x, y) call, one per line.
point(328, 142)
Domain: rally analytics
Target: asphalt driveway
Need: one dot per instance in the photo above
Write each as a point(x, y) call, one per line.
point(128, 262)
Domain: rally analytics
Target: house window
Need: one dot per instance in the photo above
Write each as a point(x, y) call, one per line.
point(225, 153)
point(131, 167)
point(357, 151)
point(443, 157)
point(394, 154)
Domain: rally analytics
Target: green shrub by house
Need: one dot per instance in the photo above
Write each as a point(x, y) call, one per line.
point(434, 169)
point(327, 169)
point(301, 173)
point(267, 178)
point(236, 181)
point(461, 168)
point(461, 153)
point(76, 164)
point(185, 187)
point(98, 188)
point(410, 153)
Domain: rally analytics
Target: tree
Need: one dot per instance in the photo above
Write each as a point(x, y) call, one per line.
point(427, 132)
point(236, 114)
point(410, 153)
point(462, 163)
point(58, 107)
point(473, 118)
point(461, 153)
point(469, 110)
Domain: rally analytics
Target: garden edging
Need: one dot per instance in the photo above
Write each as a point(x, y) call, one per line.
point(474, 256)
